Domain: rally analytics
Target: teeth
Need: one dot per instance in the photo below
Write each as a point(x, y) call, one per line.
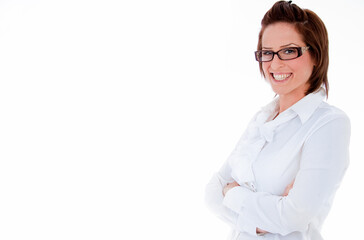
point(281, 77)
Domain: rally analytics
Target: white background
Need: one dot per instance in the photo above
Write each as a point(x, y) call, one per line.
point(115, 114)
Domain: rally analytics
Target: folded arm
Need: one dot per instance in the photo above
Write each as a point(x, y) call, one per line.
point(323, 164)
point(214, 196)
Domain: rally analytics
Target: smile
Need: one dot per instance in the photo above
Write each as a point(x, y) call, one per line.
point(281, 77)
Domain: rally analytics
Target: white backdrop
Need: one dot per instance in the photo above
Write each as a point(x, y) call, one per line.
point(115, 114)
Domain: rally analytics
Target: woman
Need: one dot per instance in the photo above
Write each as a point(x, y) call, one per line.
point(281, 178)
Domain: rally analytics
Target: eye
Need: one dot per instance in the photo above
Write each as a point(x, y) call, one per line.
point(289, 51)
point(266, 53)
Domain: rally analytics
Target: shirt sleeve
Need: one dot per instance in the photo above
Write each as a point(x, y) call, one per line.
point(214, 189)
point(325, 158)
point(214, 196)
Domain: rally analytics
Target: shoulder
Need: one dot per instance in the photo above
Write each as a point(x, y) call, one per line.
point(327, 112)
point(329, 117)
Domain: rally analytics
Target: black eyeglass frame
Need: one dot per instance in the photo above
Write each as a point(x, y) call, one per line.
point(300, 51)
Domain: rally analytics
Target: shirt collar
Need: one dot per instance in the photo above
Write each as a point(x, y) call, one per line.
point(307, 105)
point(272, 108)
point(304, 107)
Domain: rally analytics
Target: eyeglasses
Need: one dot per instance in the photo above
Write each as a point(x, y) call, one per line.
point(283, 54)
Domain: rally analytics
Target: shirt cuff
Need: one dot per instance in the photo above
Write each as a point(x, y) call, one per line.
point(245, 225)
point(235, 198)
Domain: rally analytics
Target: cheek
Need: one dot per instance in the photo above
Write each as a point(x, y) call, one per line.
point(304, 67)
point(304, 71)
point(265, 66)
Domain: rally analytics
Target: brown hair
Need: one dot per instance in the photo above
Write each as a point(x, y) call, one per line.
point(313, 32)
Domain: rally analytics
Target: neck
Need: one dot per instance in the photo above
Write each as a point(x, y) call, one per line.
point(286, 102)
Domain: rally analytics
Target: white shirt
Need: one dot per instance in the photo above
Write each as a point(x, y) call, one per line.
point(308, 144)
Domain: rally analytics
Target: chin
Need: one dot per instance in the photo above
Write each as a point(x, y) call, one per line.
point(279, 90)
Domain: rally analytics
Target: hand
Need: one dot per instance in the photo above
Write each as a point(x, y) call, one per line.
point(288, 188)
point(229, 186)
point(260, 231)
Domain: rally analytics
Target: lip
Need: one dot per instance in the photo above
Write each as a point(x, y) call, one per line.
point(280, 81)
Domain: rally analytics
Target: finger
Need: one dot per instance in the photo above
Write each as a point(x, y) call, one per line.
point(292, 182)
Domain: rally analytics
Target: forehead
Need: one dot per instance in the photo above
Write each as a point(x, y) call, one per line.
point(280, 34)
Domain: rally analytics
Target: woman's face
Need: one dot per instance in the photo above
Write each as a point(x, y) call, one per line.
point(288, 78)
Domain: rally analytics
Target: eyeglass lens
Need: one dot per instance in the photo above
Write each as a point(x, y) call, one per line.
point(284, 54)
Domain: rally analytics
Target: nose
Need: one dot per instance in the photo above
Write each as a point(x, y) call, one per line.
point(276, 62)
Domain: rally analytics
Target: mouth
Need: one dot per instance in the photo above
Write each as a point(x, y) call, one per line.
point(281, 76)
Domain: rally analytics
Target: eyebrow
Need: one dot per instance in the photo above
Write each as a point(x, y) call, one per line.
point(286, 45)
